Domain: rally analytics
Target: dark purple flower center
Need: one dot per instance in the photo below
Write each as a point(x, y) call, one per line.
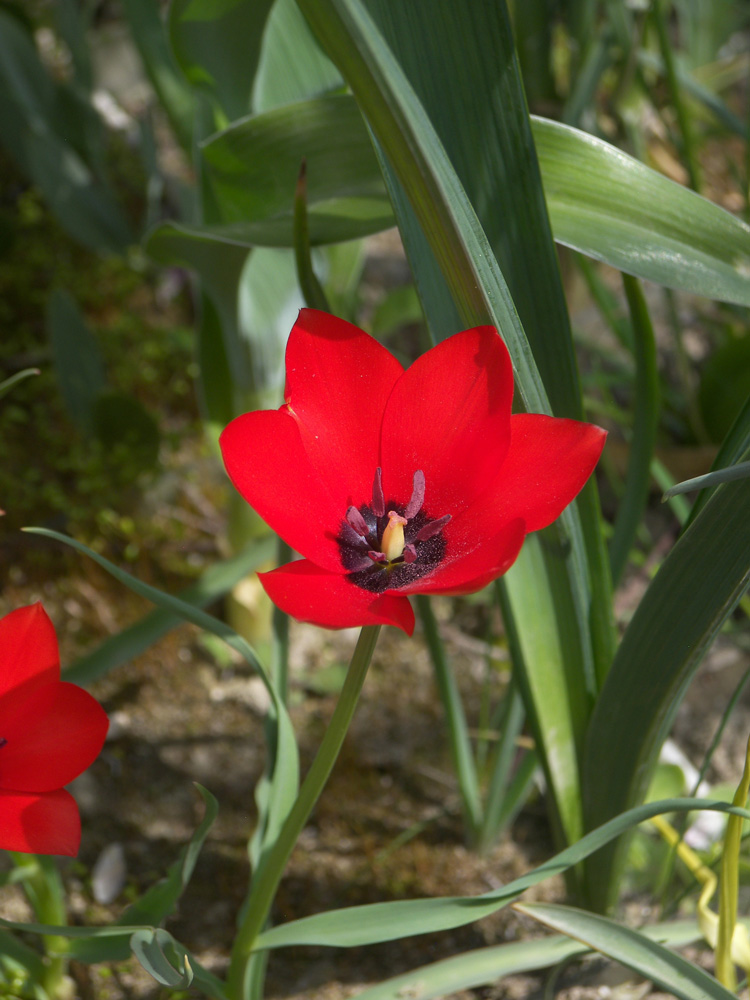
point(385, 546)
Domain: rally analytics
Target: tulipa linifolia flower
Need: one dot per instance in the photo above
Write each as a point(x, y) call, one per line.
point(50, 732)
point(391, 482)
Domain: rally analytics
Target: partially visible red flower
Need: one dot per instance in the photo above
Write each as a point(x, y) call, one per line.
point(393, 482)
point(50, 731)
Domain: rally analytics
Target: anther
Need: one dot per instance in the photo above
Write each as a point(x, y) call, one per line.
point(432, 528)
point(417, 497)
point(410, 553)
point(377, 557)
point(357, 522)
point(378, 500)
point(3, 741)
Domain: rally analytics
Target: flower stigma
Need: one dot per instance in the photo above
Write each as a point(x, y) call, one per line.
point(384, 551)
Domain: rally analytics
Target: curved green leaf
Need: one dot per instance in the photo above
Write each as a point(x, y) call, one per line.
point(697, 586)
point(663, 232)
point(377, 922)
point(633, 949)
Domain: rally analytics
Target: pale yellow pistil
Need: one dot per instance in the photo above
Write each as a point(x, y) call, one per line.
point(392, 542)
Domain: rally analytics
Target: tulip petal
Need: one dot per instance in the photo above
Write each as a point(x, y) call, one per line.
point(449, 415)
point(28, 651)
point(470, 570)
point(40, 824)
point(266, 461)
point(56, 733)
point(338, 380)
point(310, 594)
point(548, 463)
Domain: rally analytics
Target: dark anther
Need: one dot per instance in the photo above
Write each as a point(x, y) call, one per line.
point(432, 528)
point(3, 741)
point(378, 500)
point(417, 496)
point(357, 522)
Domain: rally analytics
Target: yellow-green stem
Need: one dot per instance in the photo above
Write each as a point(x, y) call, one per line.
point(44, 889)
point(269, 875)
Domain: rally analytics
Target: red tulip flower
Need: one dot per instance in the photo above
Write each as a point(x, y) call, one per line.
point(392, 482)
point(50, 731)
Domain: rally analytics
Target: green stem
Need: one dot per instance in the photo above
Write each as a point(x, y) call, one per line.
point(675, 95)
point(269, 875)
point(43, 886)
point(458, 732)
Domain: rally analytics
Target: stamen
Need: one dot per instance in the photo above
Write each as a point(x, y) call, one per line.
point(378, 557)
point(392, 542)
point(357, 522)
point(378, 500)
point(432, 528)
point(417, 497)
point(410, 553)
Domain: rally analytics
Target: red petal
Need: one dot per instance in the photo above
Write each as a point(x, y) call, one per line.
point(338, 380)
point(40, 824)
point(548, 463)
point(309, 594)
point(28, 651)
point(449, 415)
point(266, 461)
point(470, 570)
point(56, 733)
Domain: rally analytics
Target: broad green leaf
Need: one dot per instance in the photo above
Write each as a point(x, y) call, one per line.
point(633, 949)
point(485, 966)
point(250, 175)
point(157, 903)
point(78, 361)
point(291, 65)
point(362, 925)
point(668, 234)
point(217, 46)
point(217, 580)
point(696, 588)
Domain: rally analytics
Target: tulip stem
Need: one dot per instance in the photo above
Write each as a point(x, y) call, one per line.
point(269, 874)
point(44, 889)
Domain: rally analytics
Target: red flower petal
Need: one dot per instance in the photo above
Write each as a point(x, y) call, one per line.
point(449, 415)
point(51, 737)
point(28, 651)
point(337, 382)
point(548, 462)
point(40, 824)
point(309, 594)
point(266, 461)
point(463, 573)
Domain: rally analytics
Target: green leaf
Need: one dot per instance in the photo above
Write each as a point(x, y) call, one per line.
point(150, 36)
point(78, 361)
point(710, 479)
point(648, 958)
point(355, 926)
point(285, 779)
point(217, 580)
point(219, 263)
point(292, 65)
point(667, 234)
point(157, 903)
point(167, 964)
point(217, 46)
point(735, 447)
point(725, 386)
point(485, 966)
point(8, 383)
point(251, 169)
point(696, 588)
